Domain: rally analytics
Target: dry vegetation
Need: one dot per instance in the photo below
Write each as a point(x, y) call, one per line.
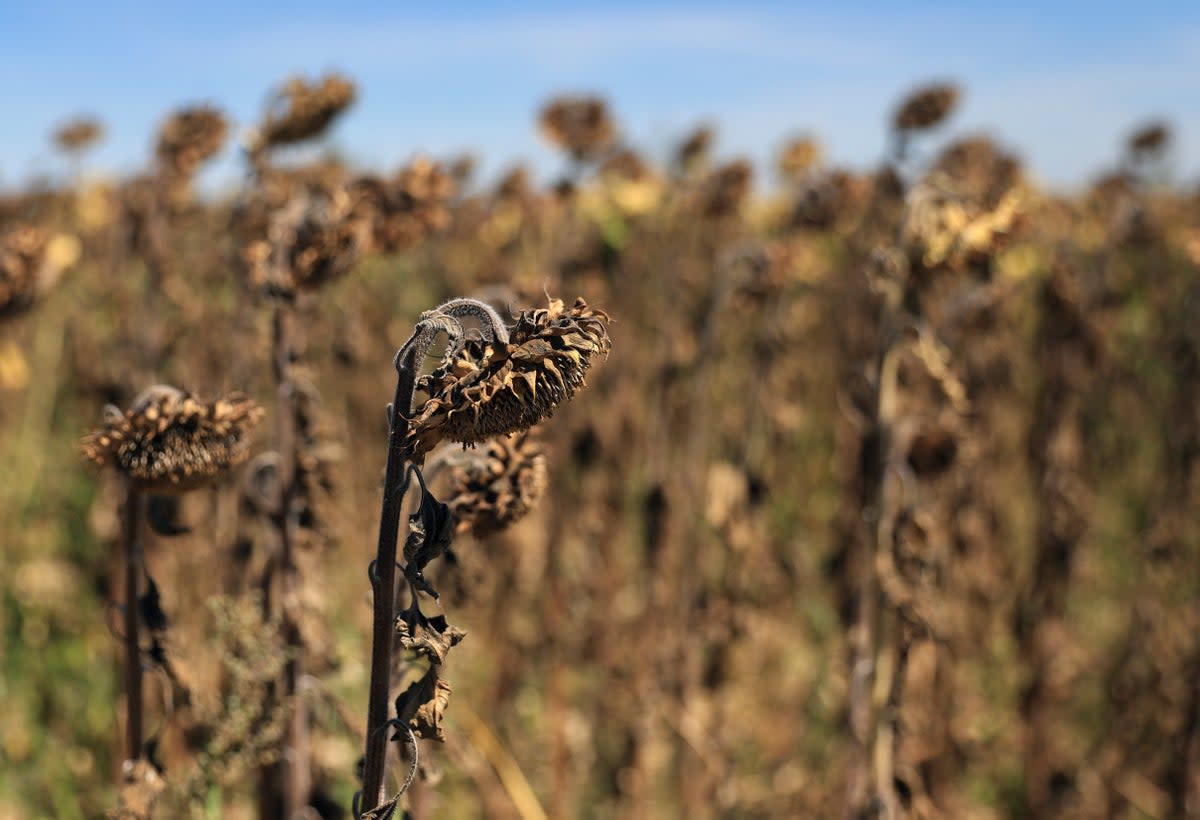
point(881, 505)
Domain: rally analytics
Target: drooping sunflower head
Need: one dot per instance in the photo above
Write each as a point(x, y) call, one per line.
point(301, 110)
point(926, 107)
point(171, 441)
point(78, 135)
point(500, 381)
point(581, 126)
point(189, 137)
point(1151, 139)
point(494, 487)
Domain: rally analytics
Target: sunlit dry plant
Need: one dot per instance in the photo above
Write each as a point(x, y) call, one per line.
point(625, 164)
point(462, 168)
point(504, 381)
point(581, 126)
point(404, 210)
point(313, 239)
point(831, 199)
point(495, 486)
point(31, 262)
point(1152, 138)
point(515, 185)
point(188, 138)
point(167, 442)
point(692, 153)
point(943, 226)
point(798, 158)
point(726, 189)
point(925, 107)
point(171, 441)
point(472, 396)
point(78, 135)
point(979, 168)
point(302, 110)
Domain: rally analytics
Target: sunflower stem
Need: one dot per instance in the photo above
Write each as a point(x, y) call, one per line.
point(383, 581)
point(296, 781)
point(131, 547)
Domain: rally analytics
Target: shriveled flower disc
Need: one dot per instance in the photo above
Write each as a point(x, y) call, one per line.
point(1150, 139)
point(78, 134)
point(171, 441)
point(926, 107)
point(189, 137)
point(496, 487)
point(303, 110)
point(408, 207)
point(492, 389)
point(579, 125)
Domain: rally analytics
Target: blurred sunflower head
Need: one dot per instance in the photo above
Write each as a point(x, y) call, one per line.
point(496, 486)
point(495, 383)
point(798, 158)
point(78, 134)
point(581, 126)
point(925, 107)
point(407, 208)
point(692, 152)
point(1150, 139)
point(302, 110)
point(31, 262)
point(189, 137)
point(314, 238)
point(170, 441)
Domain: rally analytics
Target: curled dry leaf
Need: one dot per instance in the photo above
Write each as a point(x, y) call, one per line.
point(432, 638)
point(423, 705)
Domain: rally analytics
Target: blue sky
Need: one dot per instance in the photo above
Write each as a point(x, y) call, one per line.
point(1062, 85)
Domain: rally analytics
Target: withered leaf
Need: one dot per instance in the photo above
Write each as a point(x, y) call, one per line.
point(423, 704)
point(431, 637)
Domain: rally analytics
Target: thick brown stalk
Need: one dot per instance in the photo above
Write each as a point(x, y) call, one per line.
point(296, 776)
point(383, 582)
point(133, 655)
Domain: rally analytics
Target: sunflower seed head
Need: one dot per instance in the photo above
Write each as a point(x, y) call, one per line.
point(171, 441)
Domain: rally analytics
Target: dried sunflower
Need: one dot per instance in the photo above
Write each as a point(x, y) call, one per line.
point(302, 110)
point(171, 441)
point(726, 189)
point(943, 226)
point(189, 137)
point(1151, 138)
point(979, 168)
point(504, 381)
point(407, 208)
point(313, 239)
point(78, 134)
point(494, 488)
point(925, 107)
point(798, 158)
point(31, 261)
point(692, 153)
point(580, 126)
